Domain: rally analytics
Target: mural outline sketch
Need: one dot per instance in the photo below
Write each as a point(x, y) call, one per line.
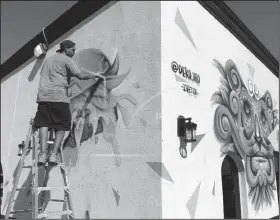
point(93, 110)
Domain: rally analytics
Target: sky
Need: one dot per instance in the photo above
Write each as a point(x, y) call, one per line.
point(262, 18)
point(22, 20)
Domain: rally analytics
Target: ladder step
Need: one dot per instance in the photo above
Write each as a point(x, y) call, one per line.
point(50, 142)
point(45, 215)
point(47, 188)
point(56, 200)
point(23, 202)
point(25, 188)
point(18, 211)
point(58, 165)
point(25, 210)
point(62, 165)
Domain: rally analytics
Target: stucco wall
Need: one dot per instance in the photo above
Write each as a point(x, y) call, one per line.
point(193, 38)
point(101, 185)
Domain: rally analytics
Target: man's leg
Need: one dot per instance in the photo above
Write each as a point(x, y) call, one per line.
point(54, 158)
point(42, 121)
point(43, 135)
point(59, 136)
point(43, 155)
point(61, 117)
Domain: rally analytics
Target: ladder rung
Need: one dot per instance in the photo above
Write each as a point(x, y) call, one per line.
point(25, 188)
point(30, 166)
point(17, 211)
point(47, 188)
point(56, 200)
point(23, 202)
point(61, 165)
point(58, 165)
point(50, 142)
point(25, 210)
point(52, 188)
point(45, 215)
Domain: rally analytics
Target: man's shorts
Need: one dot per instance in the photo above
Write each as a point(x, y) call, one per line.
point(53, 115)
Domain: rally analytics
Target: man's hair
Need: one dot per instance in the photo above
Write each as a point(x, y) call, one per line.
point(65, 45)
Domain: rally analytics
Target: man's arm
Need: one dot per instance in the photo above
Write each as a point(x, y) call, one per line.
point(95, 74)
point(86, 74)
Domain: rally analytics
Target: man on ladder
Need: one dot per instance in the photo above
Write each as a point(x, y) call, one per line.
point(53, 102)
point(53, 113)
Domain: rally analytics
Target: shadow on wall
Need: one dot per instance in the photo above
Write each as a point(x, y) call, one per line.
point(36, 68)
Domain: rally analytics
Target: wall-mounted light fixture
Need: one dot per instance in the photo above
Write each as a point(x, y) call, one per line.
point(41, 48)
point(186, 131)
point(20, 148)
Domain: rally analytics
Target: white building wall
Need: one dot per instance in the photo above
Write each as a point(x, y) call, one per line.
point(201, 169)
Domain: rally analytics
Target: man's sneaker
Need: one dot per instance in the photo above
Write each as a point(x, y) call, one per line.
point(54, 159)
point(42, 158)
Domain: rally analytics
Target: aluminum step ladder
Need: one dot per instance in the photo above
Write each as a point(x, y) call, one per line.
point(32, 143)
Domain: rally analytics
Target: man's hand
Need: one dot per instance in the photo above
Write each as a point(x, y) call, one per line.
point(103, 71)
point(96, 74)
point(88, 74)
point(101, 74)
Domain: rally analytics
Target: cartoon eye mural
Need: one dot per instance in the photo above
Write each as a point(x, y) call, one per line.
point(93, 106)
point(245, 121)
